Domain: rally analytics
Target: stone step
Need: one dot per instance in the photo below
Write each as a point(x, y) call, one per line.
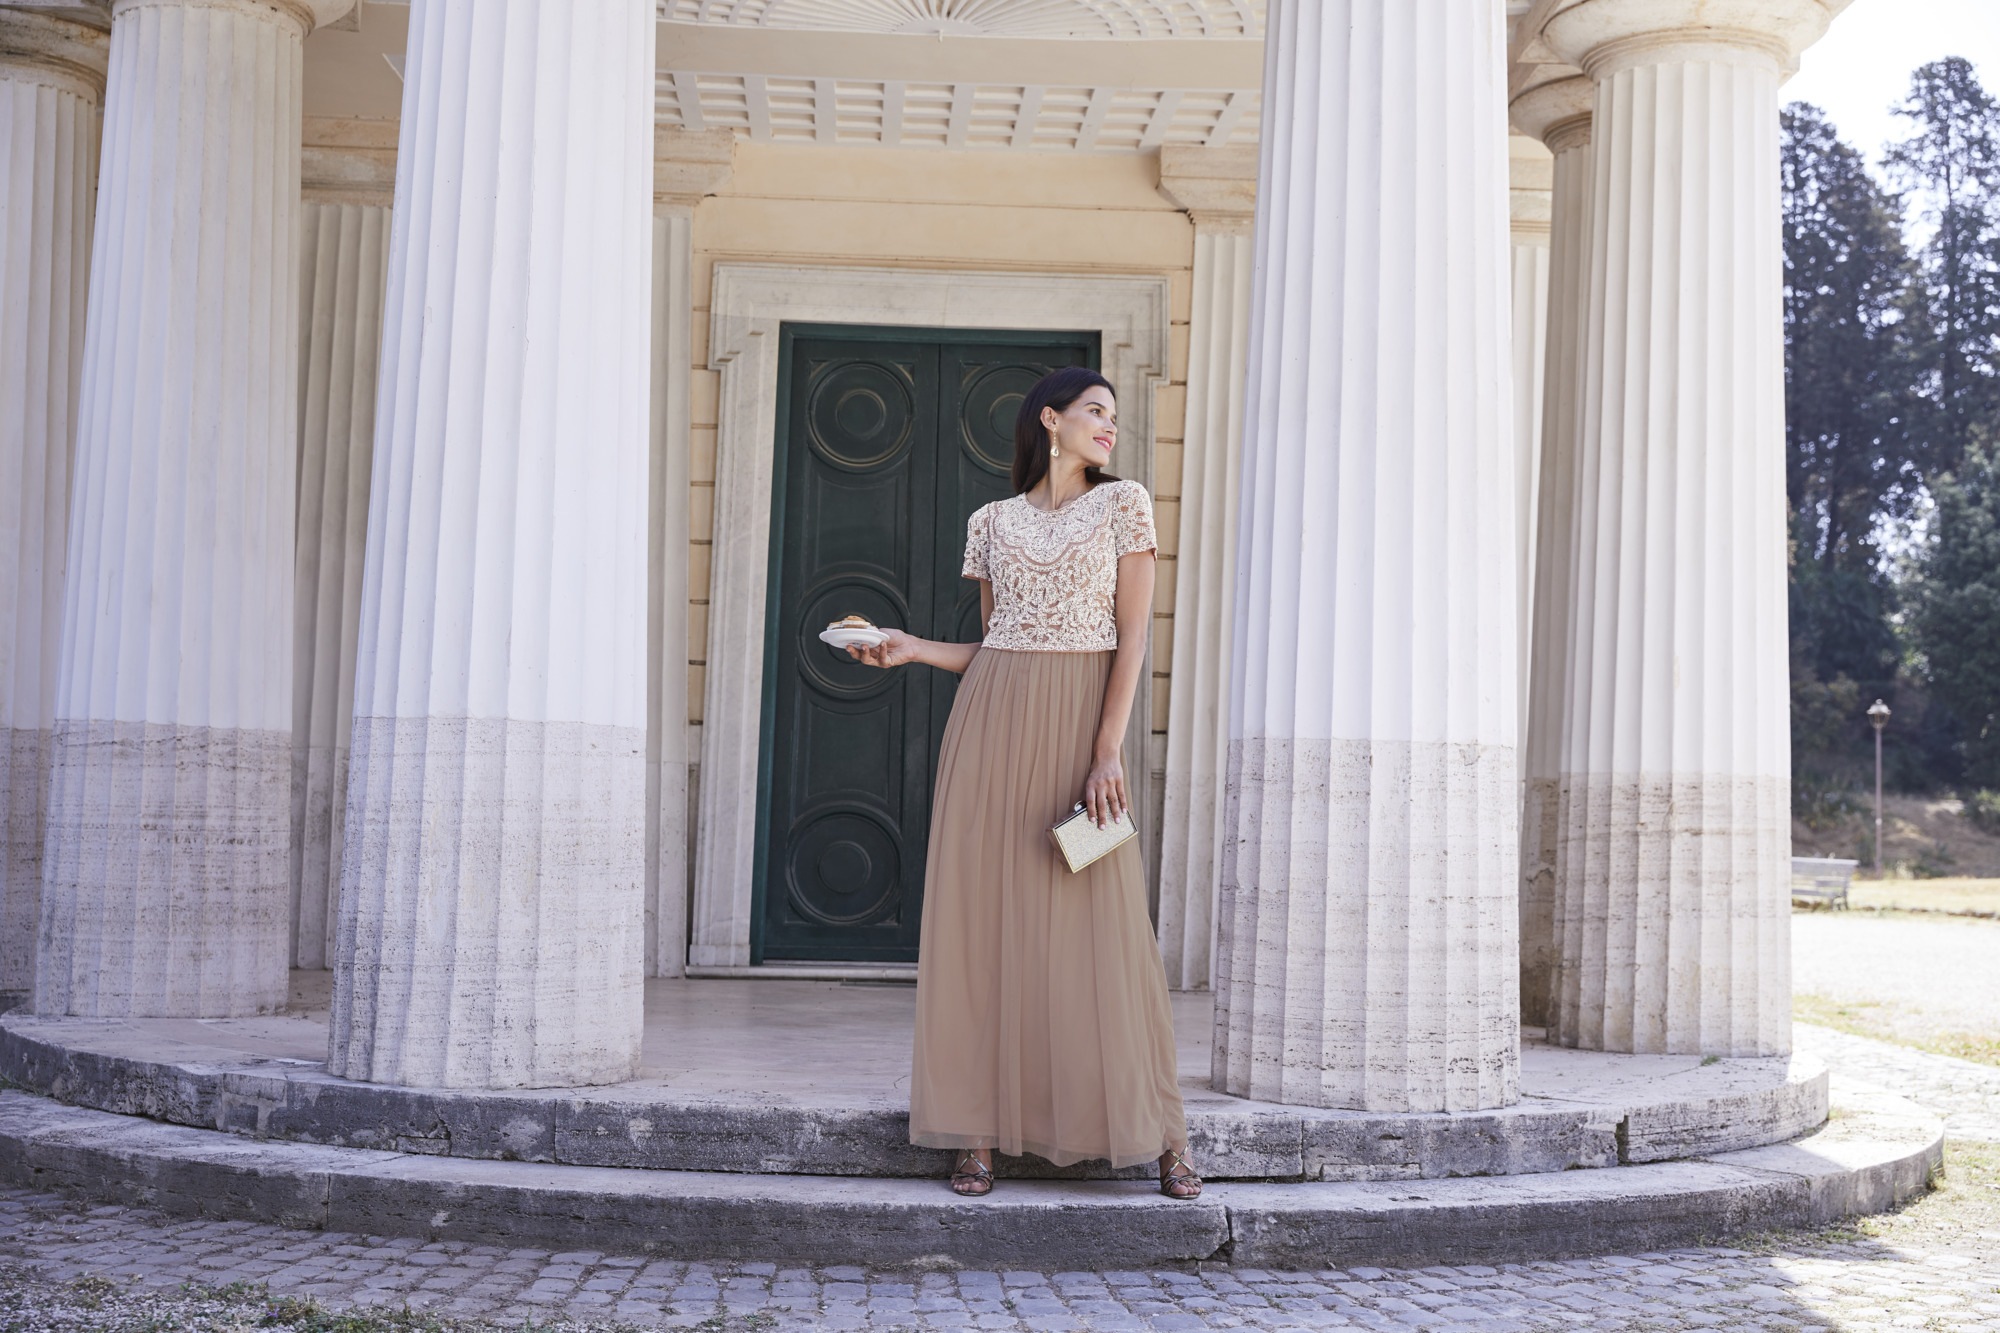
point(1625, 1110)
point(1878, 1151)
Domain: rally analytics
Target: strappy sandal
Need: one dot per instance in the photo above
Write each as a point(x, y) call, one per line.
point(1182, 1183)
point(974, 1184)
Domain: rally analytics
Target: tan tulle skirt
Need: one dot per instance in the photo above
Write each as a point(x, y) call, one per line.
point(1042, 1017)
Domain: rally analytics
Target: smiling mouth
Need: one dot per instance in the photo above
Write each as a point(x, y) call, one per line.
point(1103, 441)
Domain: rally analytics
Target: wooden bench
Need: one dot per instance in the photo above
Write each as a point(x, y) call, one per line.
point(1821, 879)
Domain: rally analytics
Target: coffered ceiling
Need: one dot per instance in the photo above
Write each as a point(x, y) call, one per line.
point(995, 75)
point(985, 18)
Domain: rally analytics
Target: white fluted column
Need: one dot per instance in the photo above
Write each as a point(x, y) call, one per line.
point(492, 908)
point(1366, 951)
point(1218, 188)
point(1671, 907)
point(687, 166)
point(51, 86)
point(343, 267)
point(1529, 218)
point(1558, 113)
point(164, 881)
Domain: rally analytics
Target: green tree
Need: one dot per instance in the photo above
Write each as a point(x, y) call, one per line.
point(1950, 165)
point(1956, 613)
point(1849, 372)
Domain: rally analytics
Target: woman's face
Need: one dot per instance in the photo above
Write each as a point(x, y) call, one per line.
point(1088, 428)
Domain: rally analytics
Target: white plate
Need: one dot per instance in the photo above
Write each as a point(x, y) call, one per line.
point(859, 638)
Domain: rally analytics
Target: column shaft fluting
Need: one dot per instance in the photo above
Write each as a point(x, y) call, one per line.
point(1558, 113)
point(1670, 906)
point(1367, 924)
point(1529, 340)
point(164, 879)
point(491, 922)
point(667, 636)
point(343, 266)
point(1191, 832)
point(51, 86)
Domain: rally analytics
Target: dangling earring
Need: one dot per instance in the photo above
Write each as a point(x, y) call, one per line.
point(1055, 450)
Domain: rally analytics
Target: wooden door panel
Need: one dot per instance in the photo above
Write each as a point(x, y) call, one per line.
point(887, 446)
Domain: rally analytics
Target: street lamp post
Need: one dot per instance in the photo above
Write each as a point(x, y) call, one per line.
point(1878, 713)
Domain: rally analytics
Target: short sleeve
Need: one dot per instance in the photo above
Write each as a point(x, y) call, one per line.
point(1132, 520)
point(978, 536)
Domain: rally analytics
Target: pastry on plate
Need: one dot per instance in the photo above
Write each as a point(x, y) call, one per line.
point(853, 632)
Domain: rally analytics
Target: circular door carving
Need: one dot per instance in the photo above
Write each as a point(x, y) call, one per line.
point(844, 869)
point(992, 401)
point(860, 415)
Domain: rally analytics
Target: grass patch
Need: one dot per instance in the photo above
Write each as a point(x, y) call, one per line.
point(1963, 1203)
point(1883, 1022)
point(305, 1315)
point(1964, 1197)
point(89, 1292)
point(1954, 896)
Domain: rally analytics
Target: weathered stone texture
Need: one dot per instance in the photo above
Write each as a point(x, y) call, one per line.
point(1674, 915)
point(51, 85)
point(1367, 946)
point(491, 919)
point(1880, 1159)
point(165, 875)
point(24, 794)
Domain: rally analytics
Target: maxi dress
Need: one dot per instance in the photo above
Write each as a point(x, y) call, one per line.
point(1042, 1016)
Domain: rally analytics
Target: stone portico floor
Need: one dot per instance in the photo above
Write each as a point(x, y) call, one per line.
point(772, 1115)
point(812, 1077)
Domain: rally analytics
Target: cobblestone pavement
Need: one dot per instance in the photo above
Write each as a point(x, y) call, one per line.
point(122, 1255)
point(65, 1269)
point(1966, 1094)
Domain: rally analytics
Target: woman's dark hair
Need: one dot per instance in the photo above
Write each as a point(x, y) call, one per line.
point(1057, 389)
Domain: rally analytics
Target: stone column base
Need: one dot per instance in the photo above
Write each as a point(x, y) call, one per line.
point(492, 904)
point(164, 891)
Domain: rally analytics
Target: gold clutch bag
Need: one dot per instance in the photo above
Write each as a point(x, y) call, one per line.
point(1081, 842)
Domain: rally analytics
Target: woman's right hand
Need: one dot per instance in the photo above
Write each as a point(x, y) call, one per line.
point(896, 650)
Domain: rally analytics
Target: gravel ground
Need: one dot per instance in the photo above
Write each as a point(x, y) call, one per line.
point(1927, 981)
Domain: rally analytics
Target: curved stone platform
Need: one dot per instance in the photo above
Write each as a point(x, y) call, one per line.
point(1878, 1151)
point(807, 1078)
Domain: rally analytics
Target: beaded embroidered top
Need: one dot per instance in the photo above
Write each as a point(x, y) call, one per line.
point(1055, 574)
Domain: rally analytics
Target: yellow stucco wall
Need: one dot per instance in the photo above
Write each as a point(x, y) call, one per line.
point(990, 211)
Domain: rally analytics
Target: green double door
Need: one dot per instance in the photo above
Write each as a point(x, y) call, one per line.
point(887, 440)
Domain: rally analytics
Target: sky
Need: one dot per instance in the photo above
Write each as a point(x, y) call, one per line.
point(1861, 67)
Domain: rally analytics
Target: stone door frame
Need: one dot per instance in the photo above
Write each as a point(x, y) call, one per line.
point(749, 304)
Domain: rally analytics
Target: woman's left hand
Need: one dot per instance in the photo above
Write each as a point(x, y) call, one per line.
point(1104, 791)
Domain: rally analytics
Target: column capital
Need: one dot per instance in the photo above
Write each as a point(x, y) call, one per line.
point(1217, 187)
point(308, 14)
point(1601, 37)
point(67, 48)
point(1555, 107)
point(344, 161)
point(690, 165)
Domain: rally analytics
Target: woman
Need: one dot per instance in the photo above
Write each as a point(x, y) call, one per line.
point(1042, 1018)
